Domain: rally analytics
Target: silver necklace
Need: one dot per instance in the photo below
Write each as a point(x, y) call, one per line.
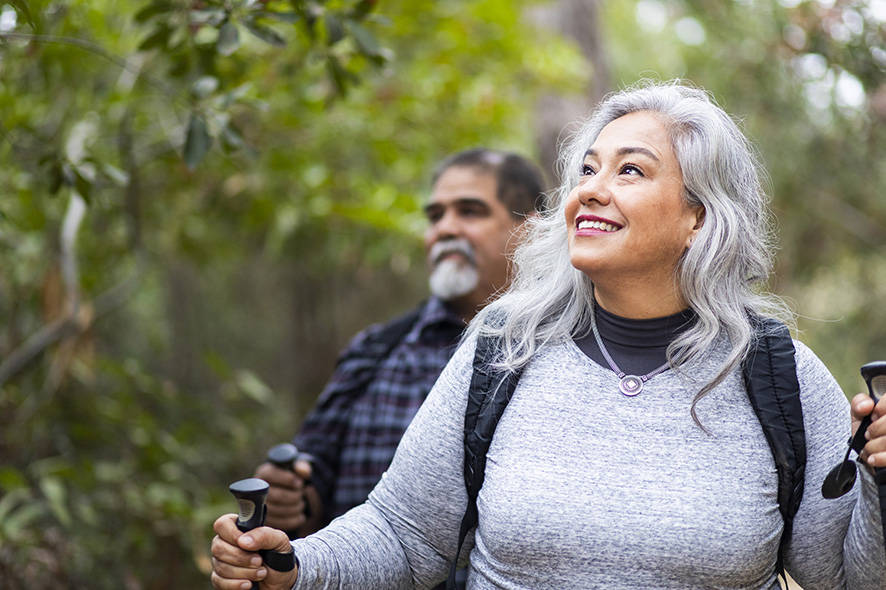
point(630, 385)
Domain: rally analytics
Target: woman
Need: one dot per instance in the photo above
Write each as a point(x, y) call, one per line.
point(645, 264)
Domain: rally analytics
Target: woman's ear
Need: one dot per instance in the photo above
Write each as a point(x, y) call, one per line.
point(699, 217)
point(699, 222)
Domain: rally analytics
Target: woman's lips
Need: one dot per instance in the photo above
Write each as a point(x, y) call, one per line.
point(591, 224)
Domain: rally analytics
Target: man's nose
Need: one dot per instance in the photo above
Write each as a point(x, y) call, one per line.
point(448, 225)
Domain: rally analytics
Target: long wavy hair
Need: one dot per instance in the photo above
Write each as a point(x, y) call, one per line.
point(720, 276)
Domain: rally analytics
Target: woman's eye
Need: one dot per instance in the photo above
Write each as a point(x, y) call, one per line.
point(631, 170)
point(587, 170)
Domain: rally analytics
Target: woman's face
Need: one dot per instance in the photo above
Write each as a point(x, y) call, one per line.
point(627, 218)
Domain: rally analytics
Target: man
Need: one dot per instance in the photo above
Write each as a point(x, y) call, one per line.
point(479, 201)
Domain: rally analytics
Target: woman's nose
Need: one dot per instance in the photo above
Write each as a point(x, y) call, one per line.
point(594, 189)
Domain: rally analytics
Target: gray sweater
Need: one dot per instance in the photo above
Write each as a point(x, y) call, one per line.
point(587, 488)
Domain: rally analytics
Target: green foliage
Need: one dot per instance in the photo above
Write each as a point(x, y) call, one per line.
point(201, 201)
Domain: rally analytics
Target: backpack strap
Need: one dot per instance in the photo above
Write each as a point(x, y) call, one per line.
point(880, 479)
point(488, 396)
point(770, 376)
point(384, 341)
point(377, 347)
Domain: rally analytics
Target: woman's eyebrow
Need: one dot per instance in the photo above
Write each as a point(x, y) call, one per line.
point(627, 150)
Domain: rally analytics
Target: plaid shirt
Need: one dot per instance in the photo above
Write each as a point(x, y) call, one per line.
point(364, 410)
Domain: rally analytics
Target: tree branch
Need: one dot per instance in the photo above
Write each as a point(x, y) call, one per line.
point(66, 326)
point(72, 321)
point(92, 48)
point(70, 274)
point(45, 337)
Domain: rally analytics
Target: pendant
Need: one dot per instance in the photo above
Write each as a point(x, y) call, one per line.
point(630, 385)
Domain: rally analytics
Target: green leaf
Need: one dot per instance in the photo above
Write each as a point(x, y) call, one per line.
point(236, 94)
point(311, 11)
point(228, 39)
point(157, 39)
point(366, 42)
point(338, 74)
point(197, 141)
point(153, 9)
point(286, 17)
point(254, 387)
point(22, 6)
point(363, 8)
point(266, 34)
point(204, 86)
point(69, 178)
point(231, 137)
point(218, 364)
point(55, 494)
point(11, 479)
point(16, 523)
point(56, 177)
point(8, 501)
point(179, 36)
point(116, 175)
point(241, 91)
point(82, 184)
point(335, 32)
point(210, 16)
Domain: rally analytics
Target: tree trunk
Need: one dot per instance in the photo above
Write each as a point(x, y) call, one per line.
point(578, 20)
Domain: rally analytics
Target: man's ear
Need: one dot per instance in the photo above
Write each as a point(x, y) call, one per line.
point(520, 228)
point(531, 215)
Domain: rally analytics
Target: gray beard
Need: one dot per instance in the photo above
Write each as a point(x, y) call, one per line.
point(452, 279)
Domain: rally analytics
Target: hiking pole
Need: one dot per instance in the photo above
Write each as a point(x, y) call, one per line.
point(842, 477)
point(250, 494)
point(283, 456)
point(874, 375)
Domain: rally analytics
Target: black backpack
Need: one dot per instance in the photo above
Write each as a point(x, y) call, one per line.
point(770, 376)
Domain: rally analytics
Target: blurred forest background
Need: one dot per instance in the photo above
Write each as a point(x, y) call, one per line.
point(201, 201)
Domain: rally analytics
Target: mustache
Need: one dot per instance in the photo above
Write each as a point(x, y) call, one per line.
point(457, 245)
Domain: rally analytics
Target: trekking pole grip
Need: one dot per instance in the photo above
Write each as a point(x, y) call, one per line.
point(250, 494)
point(283, 456)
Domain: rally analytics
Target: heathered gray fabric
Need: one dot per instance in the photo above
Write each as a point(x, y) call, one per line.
point(587, 488)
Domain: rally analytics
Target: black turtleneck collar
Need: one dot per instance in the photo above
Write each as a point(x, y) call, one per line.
point(637, 346)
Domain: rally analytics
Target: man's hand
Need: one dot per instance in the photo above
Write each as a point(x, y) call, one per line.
point(874, 452)
point(235, 563)
point(286, 497)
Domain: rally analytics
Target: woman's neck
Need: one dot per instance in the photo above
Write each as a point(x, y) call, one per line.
point(638, 346)
point(635, 302)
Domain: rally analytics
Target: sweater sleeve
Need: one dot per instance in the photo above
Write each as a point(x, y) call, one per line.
point(405, 535)
point(835, 543)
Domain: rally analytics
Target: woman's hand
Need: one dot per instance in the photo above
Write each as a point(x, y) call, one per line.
point(874, 452)
point(236, 563)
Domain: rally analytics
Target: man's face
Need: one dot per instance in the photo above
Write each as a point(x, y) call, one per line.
point(468, 238)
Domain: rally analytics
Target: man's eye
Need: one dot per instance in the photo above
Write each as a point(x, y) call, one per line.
point(587, 170)
point(433, 215)
point(472, 211)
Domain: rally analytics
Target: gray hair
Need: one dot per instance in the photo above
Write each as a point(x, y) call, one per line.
point(719, 275)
